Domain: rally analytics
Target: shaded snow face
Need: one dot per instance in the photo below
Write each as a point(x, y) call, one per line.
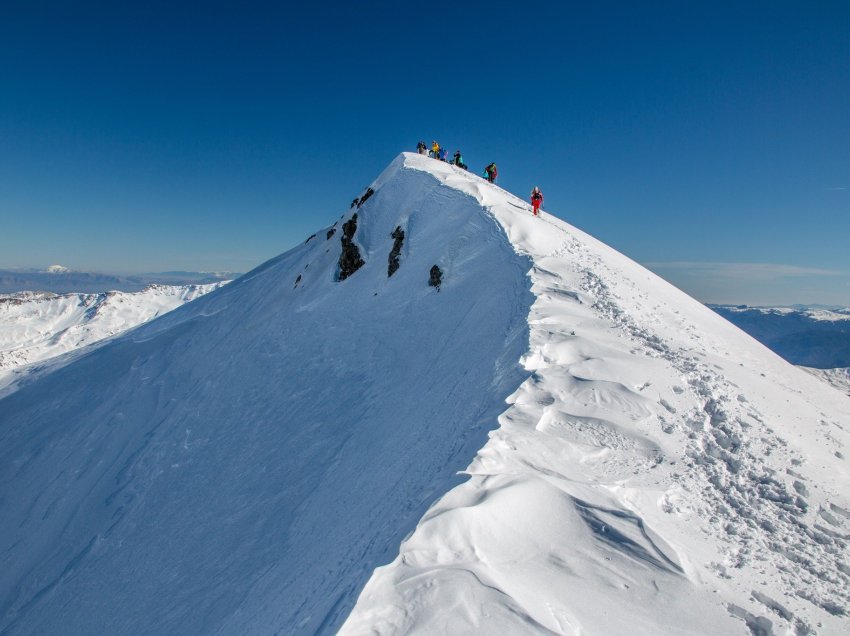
point(244, 463)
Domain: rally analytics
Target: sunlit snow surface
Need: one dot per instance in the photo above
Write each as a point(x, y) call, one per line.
point(243, 464)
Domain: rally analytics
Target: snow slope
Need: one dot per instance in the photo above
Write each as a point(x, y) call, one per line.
point(35, 326)
point(244, 463)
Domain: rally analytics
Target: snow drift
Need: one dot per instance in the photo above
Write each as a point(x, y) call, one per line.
point(246, 462)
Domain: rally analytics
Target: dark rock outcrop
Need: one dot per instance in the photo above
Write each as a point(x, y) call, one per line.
point(398, 235)
point(350, 260)
point(369, 192)
point(436, 277)
point(331, 232)
point(297, 280)
point(309, 238)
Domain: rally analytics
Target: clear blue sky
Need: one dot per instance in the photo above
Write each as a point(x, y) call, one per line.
point(213, 136)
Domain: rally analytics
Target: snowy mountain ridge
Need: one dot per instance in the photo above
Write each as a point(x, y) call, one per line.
point(281, 455)
point(621, 482)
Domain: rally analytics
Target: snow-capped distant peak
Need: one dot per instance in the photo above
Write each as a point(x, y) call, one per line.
point(57, 269)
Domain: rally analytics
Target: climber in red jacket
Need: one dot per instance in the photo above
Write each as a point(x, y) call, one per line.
point(536, 199)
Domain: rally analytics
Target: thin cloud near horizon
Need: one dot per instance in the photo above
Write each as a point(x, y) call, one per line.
point(765, 270)
point(756, 284)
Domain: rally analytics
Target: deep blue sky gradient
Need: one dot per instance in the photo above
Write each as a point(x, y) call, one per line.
point(213, 136)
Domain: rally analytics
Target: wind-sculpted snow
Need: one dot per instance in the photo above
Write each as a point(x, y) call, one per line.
point(658, 472)
point(242, 464)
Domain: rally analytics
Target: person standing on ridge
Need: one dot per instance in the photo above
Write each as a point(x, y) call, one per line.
point(491, 172)
point(536, 199)
point(435, 150)
point(421, 148)
point(444, 155)
point(458, 160)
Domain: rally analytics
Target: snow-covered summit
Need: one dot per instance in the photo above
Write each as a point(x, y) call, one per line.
point(244, 463)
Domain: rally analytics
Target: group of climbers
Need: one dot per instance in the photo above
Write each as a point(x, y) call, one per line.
point(490, 172)
point(442, 154)
point(435, 153)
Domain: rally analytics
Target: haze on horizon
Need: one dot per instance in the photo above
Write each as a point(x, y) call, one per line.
point(711, 144)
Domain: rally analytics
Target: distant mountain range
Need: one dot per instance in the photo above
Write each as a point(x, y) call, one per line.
point(37, 327)
point(61, 280)
point(812, 336)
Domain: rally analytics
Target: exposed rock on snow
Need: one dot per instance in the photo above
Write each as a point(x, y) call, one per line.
point(369, 192)
point(436, 277)
point(349, 260)
point(395, 252)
